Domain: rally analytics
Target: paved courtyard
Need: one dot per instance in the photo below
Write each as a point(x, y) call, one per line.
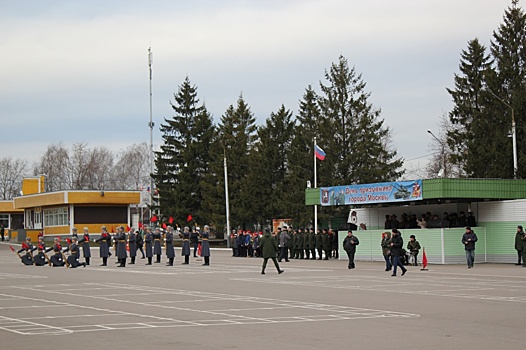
point(230, 305)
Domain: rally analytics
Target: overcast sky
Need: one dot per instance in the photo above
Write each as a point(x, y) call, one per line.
point(75, 71)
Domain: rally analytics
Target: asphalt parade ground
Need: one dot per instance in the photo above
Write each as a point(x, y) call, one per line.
point(230, 305)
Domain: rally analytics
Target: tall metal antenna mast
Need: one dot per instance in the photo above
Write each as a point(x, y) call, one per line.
point(151, 125)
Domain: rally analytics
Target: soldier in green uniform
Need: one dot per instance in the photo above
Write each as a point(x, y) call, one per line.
point(319, 244)
point(269, 250)
point(312, 244)
point(306, 244)
point(294, 244)
point(301, 246)
point(326, 240)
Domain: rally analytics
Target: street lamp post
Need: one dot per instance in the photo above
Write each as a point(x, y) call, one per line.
point(513, 132)
point(443, 151)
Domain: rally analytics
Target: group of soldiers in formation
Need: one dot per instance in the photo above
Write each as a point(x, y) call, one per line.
point(294, 243)
point(125, 244)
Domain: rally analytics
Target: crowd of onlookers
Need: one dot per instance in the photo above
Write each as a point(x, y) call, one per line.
point(428, 220)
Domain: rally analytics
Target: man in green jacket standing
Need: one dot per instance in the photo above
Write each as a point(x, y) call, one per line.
point(518, 244)
point(269, 250)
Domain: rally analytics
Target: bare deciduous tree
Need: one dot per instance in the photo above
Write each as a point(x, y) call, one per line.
point(54, 163)
point(132, 168)
point(12, 172)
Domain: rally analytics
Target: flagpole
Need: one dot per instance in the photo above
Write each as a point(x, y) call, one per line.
point(315, 186)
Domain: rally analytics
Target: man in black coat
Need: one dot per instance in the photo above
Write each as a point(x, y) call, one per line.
point(518, 244)
point(468, 239)
point(148, 241)
point(139, 241)
point(349, 245)
point(397, 244)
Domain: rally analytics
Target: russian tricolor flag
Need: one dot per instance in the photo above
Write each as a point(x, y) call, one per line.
point(320, 154)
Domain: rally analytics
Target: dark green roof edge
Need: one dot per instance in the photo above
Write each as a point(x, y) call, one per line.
point(448, 188)
point(474, 188)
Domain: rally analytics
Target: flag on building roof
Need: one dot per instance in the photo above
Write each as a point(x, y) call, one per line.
point(320, 154)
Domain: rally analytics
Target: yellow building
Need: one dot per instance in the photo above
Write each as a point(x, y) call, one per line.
point(11, 218)
point(56, 213)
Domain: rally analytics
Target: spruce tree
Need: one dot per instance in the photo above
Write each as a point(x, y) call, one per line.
point(301, 160)
point(237, 134)
point(357, 141)
point(508, 48)
point(184, 157)
point(269, 165)
point(471, 120)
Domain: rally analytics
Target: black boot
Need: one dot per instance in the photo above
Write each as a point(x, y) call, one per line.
point(104, 262)
point(149, 261)
point(87, 261)
point(132, 262)
point(158, 259)
point(186, 260)
point(170, 262)
point(207, 261)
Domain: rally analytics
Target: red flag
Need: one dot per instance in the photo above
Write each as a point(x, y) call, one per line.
point(128, 228)
point(199, 248)
point(189, 218)
point(127, 246)
point(171, 220)
point(424, 259)
point(24, 246)
point(68, 240)
point(12, 249)
point(164, 225)
point(59, 238)
point(112, 229)
point(140, 225)
point(154, 218)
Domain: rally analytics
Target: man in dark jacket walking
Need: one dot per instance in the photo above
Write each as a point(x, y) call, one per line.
point(397, 243)
point(349, 245)
point(518, 244)
point(468, 239)
point(269, 250)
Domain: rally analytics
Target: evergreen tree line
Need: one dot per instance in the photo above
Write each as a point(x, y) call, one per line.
point(490, 92)
point(269, 165)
